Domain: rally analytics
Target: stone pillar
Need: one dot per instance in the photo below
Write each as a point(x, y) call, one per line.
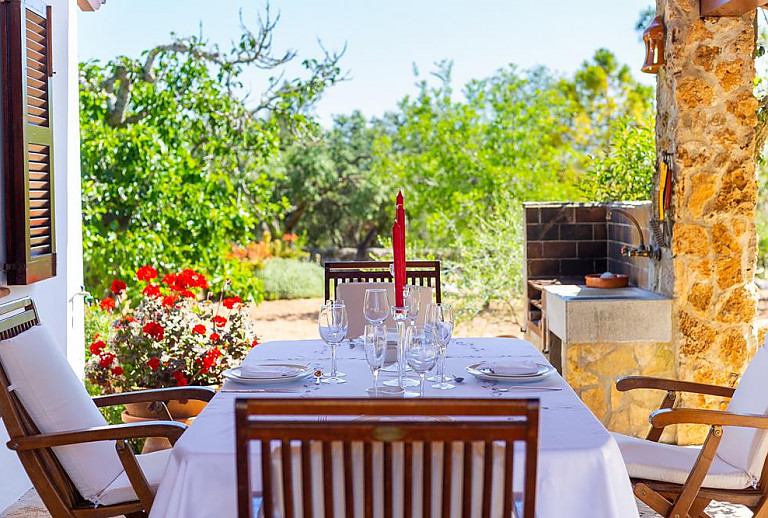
point(706, 123)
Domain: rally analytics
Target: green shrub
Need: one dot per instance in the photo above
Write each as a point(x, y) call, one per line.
point(291, 279)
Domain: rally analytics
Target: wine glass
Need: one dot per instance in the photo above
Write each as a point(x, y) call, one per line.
point(439, 323)
point(412, 296)
point(376, 306)
point(375, 340)
point(333, 325)
point(421, 353)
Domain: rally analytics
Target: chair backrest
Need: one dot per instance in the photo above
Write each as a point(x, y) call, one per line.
point(304, 467)
point(418, 273)
point(40, 393)
point(353, 295)
point(746, 448)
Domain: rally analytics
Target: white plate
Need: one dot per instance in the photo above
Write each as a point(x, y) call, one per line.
point(303, 371)
point(544, 370)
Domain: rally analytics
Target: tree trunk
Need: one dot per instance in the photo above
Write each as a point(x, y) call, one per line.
point(362, 248)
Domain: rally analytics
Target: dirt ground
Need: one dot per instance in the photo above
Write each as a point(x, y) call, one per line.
point(297, 319)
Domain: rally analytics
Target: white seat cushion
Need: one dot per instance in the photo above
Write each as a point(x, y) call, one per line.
point(746, 448)
point(152, 464)
point(353, 295)
point(670, 463)
point(57, 401)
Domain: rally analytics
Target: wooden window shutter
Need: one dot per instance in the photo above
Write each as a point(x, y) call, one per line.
point(27, 134)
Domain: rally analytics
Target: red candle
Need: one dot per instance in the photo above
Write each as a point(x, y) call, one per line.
point(400, 266)
point(398, 247)
point(399, 257)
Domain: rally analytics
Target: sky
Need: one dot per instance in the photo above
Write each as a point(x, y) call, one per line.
point(384, 39)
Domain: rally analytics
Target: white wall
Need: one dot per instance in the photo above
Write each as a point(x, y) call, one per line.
point(60, 308)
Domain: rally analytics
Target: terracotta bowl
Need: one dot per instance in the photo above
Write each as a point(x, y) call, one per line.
point(595, 281)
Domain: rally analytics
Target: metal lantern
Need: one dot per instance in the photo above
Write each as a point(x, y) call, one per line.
point(653, 37)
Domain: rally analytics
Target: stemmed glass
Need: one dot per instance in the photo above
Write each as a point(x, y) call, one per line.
point(412, 296)
point(375, 340)
point(439, 323)
point(421, 354)
point(333, 325)
point(376, 306)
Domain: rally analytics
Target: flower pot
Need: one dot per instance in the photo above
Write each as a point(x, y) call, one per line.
point(182, 411)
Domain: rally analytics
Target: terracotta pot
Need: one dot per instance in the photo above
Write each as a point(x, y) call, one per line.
point(182, 411)
point(595, 281)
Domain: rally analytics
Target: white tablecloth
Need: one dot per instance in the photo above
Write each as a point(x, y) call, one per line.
point(580, 470)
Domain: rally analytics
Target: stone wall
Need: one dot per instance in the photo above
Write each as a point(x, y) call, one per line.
point(592, 370)
point(706, 120)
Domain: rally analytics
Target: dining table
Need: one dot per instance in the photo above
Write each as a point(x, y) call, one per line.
point(580, 468)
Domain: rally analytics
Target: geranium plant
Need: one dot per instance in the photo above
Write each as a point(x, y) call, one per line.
point(172, 337)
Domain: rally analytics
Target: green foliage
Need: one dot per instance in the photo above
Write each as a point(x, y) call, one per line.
point(97, 321)
point(174, 156)
point(328, 180)
point(467, 163)
point(291, 279)
point(491, 269)
point(626, 171)
point(451, 157)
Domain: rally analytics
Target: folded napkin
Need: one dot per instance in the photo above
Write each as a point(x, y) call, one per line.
point(268, 370)
point(518, 368)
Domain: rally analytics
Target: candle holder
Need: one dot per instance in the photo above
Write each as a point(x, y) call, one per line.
point(400, 315)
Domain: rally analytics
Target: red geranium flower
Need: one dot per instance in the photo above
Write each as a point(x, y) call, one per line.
point(170, 300)
point(146, 273)
point(108, 304)
point(118, 286)
point(219, 321)
point(190, 279)
point(153, 363)
point(152, 290)
point(187, 293)
point(209, 358)
point(97, 347)
point(254, 343)
point(181, 380)
point(117, 371)
point(230, 302)
point(199, 329)
point(169, 278)
point(154, 330)
point(215, 337)
point(106, 359)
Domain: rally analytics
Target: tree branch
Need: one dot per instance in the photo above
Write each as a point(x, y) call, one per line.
point(116, 109)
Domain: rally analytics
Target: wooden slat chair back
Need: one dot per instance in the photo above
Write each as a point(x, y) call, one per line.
point(273, 422)
point(50, 480)
point(418, 273)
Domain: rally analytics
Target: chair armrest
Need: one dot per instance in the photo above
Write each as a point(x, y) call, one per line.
point(150, 395)
point(670, 416)
point(169, 429)
point(648, 382)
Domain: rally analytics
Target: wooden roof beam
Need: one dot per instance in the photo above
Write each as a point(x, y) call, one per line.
point(730, 7)
point(93, 5)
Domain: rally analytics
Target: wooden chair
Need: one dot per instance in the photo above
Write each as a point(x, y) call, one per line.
point(730, 466)
point(418, 273)
point(252, 424)
point(44, 455)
